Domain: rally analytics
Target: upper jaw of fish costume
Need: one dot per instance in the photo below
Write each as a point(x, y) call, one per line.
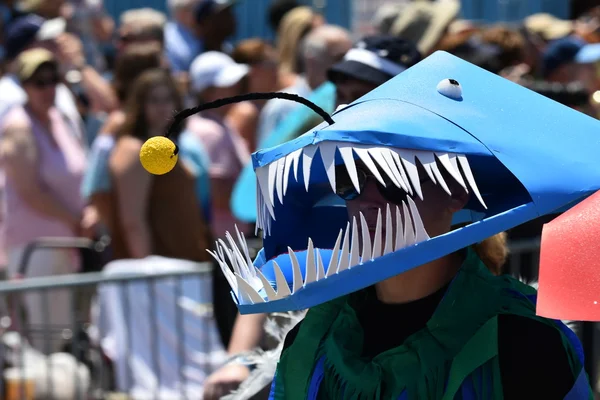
point(518, 154)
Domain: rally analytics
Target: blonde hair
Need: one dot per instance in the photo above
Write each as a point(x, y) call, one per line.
point(142, 19)
point(293, 28)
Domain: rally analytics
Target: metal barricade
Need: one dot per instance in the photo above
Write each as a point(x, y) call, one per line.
point(80, 338)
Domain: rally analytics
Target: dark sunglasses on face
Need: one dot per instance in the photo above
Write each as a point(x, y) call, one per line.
point(42, 83)
point(346, 190)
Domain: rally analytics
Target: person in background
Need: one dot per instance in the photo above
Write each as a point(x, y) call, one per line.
point(140, 25)
point(510, 43)
point(215, 23)
point(181, 43)
point(44, 163)
point(277, 10)
point(141, 225)
point(294, 26)
point(96, 185)
point(215, 75)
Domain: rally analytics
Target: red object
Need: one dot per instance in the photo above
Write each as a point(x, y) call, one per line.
point(569, 284)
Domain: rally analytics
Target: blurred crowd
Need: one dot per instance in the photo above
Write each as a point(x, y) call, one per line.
point(80, 93)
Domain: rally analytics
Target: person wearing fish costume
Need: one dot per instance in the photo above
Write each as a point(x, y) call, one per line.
point(360, 217)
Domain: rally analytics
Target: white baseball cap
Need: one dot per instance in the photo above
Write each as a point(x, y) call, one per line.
point(216, 69)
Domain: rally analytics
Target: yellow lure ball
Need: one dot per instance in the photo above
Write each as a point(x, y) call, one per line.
point(158, 155)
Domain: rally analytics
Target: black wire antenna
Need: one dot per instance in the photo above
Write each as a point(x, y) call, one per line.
point(188, 112)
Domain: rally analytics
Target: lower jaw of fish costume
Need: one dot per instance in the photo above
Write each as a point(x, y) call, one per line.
point(305, 277)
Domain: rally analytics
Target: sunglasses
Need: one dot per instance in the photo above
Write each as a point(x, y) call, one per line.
point(346, 190)
point(44, 83)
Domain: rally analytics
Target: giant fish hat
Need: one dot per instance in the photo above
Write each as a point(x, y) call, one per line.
point(518, 154)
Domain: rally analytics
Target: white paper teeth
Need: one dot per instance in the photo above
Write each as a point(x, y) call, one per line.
point(366, 239)
point(398, 165)
point(377, 238)
point(389, 230)
point(345, 257)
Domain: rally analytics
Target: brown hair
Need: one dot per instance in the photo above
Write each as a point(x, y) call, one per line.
point(132, 63)
point(510, 41)
point(493, 251)
point(252, 51)
point(135, 118)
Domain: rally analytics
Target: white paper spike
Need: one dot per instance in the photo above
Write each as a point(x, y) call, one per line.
point(426, 158)
point(327, 150)
point(242, 240)
point(232, 261)
point(333, 263)
point(403, 174)
point(364, 156)
point(283, 290)
point(409, 230)
point(354, 248)
point(310, 274)
point(348, 157)
point(226, 271)
point(410, 166)
point(466, 168)
point(286, 172)
point(430, 160)
point(236, 251)
point(377, 154)
point(258, 224)
point(454, 172)
point(280, 169)
point(271, 295)
point(248, 294)
point(345, 256)
point(377, 238)
point(420, 232)
point(307, 158)
point(454, 162)
point(296, 158)
point(272, 182)
point(320, 266)
point(296, 273)
point(399, 182)
point(389, 230)
point(262, 174)
point(366, 239)
point(400, 242)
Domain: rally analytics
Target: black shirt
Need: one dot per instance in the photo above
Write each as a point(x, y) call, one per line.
point(533, 361)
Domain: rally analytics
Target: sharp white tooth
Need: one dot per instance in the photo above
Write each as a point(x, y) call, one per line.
point(327, 150)
point(354, 250)
point(409, 230)
point(431, 161)
point(464, 164)
point(297, 274)
point(279, 170)
point(332, 268)
point(445, 161)
point(232, 259)
point(247, 292)
point(310, 275)
point(226, 271)
point(295, 156)
point(271, 295)
point(262, 174)
point(377, 238)
point(400, 242)
point(348, 157)
point(244, 244)
point(366, 239)
point(426, 158)
point(389, 229)
point(454, 162)
point(283, 290)
point(420, 232)
point(377, 155)
point(272, 182)
point(400, 168)
point(410, 166)
point(236, 250)
point(320, 266)
point(307, 158)
point(398, 181)
point(258, 212)
point(289, 161)
point(345, 256)
point(364, 156)
point(295, 270)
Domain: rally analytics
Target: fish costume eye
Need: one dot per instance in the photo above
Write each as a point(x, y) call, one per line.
point(450, 88)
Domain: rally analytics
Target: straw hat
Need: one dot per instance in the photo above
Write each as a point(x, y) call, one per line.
point(548, 26)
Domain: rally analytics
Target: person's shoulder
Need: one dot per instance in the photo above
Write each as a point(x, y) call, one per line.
point(244, 109)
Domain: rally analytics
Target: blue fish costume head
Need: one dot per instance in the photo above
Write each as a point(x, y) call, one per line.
point(517, 154)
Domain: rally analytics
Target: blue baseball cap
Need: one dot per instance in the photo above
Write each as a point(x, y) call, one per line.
point(207, 8)
point(376, 59)
point(24, 31)
point(560, 52)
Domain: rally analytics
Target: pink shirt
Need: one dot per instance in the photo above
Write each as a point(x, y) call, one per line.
point(228, 154)
point(60, 171)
